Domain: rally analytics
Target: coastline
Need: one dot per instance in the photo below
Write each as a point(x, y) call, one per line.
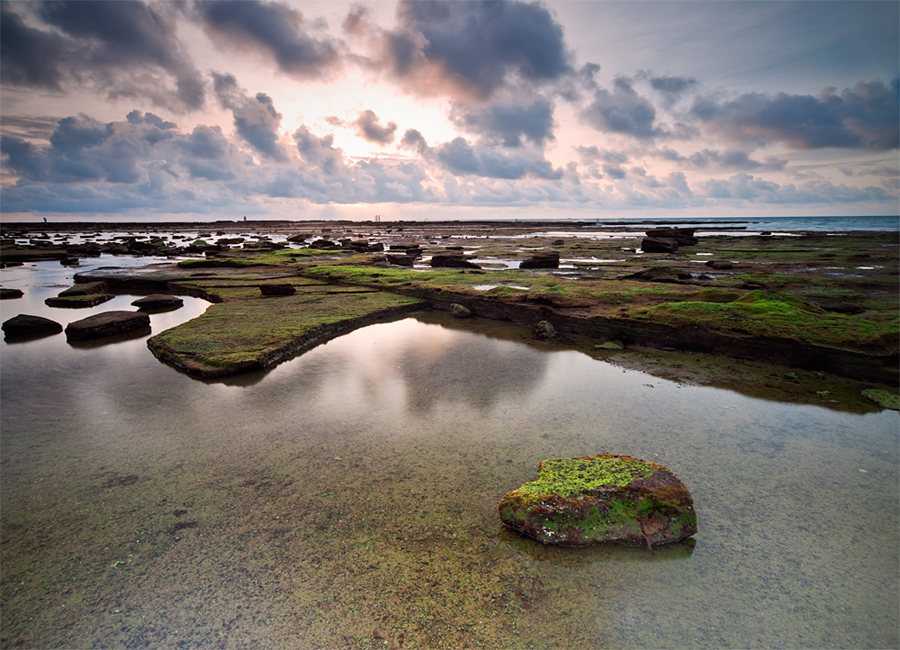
point(761, 302)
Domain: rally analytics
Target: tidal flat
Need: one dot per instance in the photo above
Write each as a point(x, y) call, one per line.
point(346, 496)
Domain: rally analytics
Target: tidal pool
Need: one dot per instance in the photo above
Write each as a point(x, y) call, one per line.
point(348, 498)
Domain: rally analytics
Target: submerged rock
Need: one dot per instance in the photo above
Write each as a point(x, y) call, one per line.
point(106, 324)
point(884, 398)
point(544, 330)
point(605, 498)
point(459, 311)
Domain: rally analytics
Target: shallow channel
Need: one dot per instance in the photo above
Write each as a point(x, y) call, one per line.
point(348, 499)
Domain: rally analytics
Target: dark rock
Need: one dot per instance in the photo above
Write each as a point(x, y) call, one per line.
point(106, 324)
point(377, 247)
point(26, 325)
point(679, 233)
point(459, 311)
point(277, 289)
point(324, 244)
point(660, 274)
point(605, 498)
point(548, 260)
point(299, 237)
point(6, 294)
point(840, 308)
point(401, 260)
point(544, 330)
point(656, 245)
point(158, 301)
point(452, 260)
point(228, 241)
point(720, 265)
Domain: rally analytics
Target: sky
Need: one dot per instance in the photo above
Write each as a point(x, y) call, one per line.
point(200, 110)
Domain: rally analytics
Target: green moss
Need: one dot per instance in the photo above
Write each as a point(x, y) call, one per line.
point(571, 476)
point(777, 315)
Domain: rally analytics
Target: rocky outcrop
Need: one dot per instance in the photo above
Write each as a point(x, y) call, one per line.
point(25, 325)
point(659, 245)
point(545, 260)
point(605, 498)
point(106, 324)
point(6, 294)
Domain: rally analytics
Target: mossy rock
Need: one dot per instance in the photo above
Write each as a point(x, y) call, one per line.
point(606, 498)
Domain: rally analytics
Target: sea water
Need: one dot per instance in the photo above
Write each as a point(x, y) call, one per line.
point(347, 498)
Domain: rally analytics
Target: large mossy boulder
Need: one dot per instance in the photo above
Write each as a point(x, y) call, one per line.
point(605, 498)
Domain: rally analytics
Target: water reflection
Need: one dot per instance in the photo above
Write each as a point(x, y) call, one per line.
point(347, 498)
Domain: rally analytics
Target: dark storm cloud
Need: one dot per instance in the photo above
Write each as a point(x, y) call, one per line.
point(272, 28)
point(120, 48)
point(29, 57)
point(124, 49)
point(255, 118)
point(468, 48)
point(373, 131)
point(865, 117)
point(509, 123)
point(622, 111)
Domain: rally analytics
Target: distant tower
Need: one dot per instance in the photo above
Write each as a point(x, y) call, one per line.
point(377, 218)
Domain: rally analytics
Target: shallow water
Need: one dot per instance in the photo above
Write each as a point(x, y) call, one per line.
point(348, 499)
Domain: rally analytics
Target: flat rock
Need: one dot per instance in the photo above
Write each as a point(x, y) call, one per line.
point(6, 294)
point(605, 498)
point(158, 301)
point(106, 324)
point(27, 325)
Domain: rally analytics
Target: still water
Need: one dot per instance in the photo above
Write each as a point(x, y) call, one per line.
point(348, 499)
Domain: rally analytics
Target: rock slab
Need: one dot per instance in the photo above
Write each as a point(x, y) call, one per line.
point(158, 301)
point(106, 324)
point(27, 325)
point(606, 498)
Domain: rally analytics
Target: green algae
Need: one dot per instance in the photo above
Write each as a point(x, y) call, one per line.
point(883, 398)
point(776, 314)
point(570, 476)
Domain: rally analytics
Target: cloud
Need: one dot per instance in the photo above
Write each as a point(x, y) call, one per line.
point(122, 49)
point(467, 49)
point(461, 158)
point(255, 118)
point(373, 131)
point(866, 117)
point(271, 28)
point(507, 123)
point(622, 111)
